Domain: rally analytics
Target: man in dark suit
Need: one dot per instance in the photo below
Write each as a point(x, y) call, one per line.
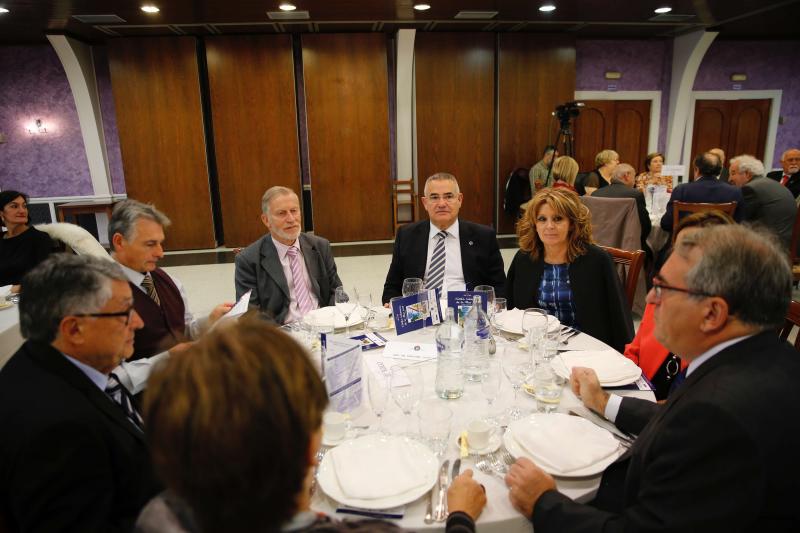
point(721, 453)
point(790, 177)
point(289, 272)
point(766, 201)
point(622, 180)
point(445, 251)
point(704, 189)
point(73, 455)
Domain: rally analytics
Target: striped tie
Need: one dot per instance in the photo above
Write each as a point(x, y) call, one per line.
point(122, 397)
point(436, 268)
point(300, 290)
point(150, 288)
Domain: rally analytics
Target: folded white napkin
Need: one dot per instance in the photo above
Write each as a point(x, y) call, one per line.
point(372, 472)
point(609, 365)
point(562, 443)
point(5, 290)
point(325, 316)
point(511, 321)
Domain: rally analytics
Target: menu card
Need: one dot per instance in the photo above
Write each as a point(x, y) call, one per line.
point(341, 370)
point(416, 311)
point(370, 340)
point(461, 302)
point(237, 310)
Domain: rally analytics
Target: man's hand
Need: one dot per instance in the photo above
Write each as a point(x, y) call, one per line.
point(586, 386)
point(466, 495)
point(180, 347)
point(526, 483)
point(218, 311)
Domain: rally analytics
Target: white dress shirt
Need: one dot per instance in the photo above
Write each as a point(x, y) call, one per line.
point(453, 271)
point(96, 377)
point(294, 313)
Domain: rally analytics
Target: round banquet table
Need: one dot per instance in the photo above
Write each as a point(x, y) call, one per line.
point(498, 515)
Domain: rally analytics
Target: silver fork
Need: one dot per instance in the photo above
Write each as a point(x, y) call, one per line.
point(320, 454)
point(484, 465)
point(498, 464)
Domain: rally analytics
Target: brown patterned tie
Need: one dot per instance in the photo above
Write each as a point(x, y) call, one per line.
point(150, 288)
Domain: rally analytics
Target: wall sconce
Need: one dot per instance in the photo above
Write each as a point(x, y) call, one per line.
point(613, 75)
point(37, 127)
point(738, 77)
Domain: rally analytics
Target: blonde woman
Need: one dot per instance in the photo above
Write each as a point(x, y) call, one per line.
point(564, 171)
point(605, 162)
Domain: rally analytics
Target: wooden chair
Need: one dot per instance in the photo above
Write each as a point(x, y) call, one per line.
point(691, 207)
point(403, 193)
point(793, 258)
point(630, 276)
point(792, 320)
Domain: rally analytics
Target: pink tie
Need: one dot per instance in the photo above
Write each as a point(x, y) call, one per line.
point(300, 291)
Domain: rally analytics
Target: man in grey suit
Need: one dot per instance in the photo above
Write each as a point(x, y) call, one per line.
point(289, 272)
point(622, 181)
point(766, 201)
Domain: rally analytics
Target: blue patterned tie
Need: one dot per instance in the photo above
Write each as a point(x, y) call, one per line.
point(436, 268)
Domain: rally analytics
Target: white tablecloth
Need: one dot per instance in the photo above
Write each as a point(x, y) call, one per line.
point(10, 336)
point(498, 516)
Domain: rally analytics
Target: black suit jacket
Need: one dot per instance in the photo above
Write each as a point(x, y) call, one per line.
point(720, 455)
point(600, 305)
point(480, 257)
point(793, 184)
point(705, 189)
point(69, 458)
point(620, 190)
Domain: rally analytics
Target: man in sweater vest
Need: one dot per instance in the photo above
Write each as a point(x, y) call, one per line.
point(136, 233)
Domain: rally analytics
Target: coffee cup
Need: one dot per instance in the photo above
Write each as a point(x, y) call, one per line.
point(478, 434)
point(334, 425)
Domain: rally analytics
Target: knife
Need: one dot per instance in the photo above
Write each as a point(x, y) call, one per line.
point(441, 515)
point(456, 469)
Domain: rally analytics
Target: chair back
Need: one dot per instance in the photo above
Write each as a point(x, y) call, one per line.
point(692, 207)
point(792, 320)
point(630, 265)
point(403, 194)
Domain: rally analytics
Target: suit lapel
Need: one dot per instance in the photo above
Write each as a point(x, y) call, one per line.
point(419, 242)
point(272, 265)
point(312, 265)
point(51, 360)
point(466, 241)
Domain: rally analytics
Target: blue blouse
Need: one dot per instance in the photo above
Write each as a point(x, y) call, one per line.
point(555, 294)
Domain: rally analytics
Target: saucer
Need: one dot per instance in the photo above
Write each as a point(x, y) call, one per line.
point(349, 434)
point(494, 443)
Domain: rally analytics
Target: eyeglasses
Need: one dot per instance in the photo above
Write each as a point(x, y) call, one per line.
point(658, 287)
point(128, 313)
point(447, 197)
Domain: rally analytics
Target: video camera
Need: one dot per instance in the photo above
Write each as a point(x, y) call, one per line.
point(568, 111)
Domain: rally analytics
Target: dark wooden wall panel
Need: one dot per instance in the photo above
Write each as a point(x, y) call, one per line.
point(347, 106)
point(455, 115)
point(536, 73)
point(736, 126)
point(619, 125)
point(160, 123)
point(251, 81)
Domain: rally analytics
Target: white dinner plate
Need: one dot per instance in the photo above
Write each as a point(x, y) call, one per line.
point(511, 322)
point(517, 451)
point(326, 476)
point(323, 316)
point(564, 371)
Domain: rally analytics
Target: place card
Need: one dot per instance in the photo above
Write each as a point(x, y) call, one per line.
point(416, 311)
point(341, 370)
point(461, 302)
point(410, 351)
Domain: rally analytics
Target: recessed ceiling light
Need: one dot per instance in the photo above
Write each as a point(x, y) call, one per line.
point(4, 10)
point(422, 7)
point(150, 9)
point(286, 6)
point(547, 8)
point(663, 9)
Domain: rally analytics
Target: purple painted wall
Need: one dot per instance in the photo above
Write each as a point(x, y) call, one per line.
point(109, 114)
point(34, 86)
point(645, 66)
point(768, 65)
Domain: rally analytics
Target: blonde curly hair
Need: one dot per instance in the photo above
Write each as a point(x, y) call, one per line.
point(565, 203)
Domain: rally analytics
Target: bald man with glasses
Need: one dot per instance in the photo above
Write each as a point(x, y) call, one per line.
point(447, 252)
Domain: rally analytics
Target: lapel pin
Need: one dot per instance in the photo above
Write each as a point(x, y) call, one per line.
point(470, 243)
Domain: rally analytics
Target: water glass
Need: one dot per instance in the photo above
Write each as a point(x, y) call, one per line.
point(406, 386)
point(378, 397)
point(516, 366)
point(488, 291)
point(534, 325)
point(547, 388)
point(490, 386)
point(551, 340)
point(412, 286)
point(434, 425)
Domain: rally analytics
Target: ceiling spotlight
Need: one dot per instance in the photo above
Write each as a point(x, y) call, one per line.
point(150, 9)
point(286, 6)
point(661, 10)
point(4, 10)
point(422, 7)
point(547, 8)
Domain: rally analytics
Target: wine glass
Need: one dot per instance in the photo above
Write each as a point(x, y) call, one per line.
point(488, 290)
point(346, 306)
point(412, 286)
point(378, 397)
point(534, 325)
point(516, 366)
point(406, 386)
point(490, 386)
point(364, 307)
point(500, 306)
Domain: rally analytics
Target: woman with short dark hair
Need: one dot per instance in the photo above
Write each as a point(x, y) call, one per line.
point(22, 246)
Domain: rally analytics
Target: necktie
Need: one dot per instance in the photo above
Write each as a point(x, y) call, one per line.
point(785, 179)
point(122, 397)
point(436, 267)
point(299, 289)
point(680, 377)
point(147, 285)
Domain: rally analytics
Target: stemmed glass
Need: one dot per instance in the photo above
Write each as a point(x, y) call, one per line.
point(516, 366)
point(489, 291)
point(346, 306)
point(378, 398)
point(364, 307)
point(500, 307)
point(490, 386)
point(406, 386)
point(534, 325)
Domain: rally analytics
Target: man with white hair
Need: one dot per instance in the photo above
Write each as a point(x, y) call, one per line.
point(623, 178)
point(289, 272)
point(790, 176)
point(766, 201)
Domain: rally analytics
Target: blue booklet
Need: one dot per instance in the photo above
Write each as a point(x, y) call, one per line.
point(370, 340)
point(414, 312)
point(461, 301)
